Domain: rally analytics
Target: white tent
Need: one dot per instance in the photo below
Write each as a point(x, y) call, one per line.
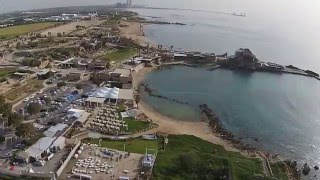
point(107, 93)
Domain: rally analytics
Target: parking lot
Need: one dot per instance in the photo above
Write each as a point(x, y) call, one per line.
point(54, 102)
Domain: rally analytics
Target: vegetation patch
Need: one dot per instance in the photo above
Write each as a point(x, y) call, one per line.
point(13, 31)
point(189, 157)
point(30, 87)
point(279, 171)
point(132, 145)
point(121, 54)
point(136, 125)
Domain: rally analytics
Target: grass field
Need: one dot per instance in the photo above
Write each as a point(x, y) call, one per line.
point(133, 145)
point(279, 171)
point(30, 87)
point(13, 31)
point(6, 71)
point(189, 157)
point(121, 54)
point(136, 125)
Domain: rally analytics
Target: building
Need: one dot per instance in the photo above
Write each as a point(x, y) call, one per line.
point(34, 152)
point(105, 94)
point(74, 77)
point(79, 115)
point(123, 76)
point(56, 130)
point(68, 63)
point(129, 3)
point(45, 74)
point(20, 76)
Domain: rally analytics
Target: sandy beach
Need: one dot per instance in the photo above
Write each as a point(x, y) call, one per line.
point(172, 126)
point(133, 31)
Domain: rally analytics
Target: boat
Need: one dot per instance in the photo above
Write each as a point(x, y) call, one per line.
point(241, 14)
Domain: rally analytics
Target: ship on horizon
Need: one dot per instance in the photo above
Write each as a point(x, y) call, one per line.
point(241, 14)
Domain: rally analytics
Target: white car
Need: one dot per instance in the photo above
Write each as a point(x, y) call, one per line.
point(26, 99)
point(39, 92)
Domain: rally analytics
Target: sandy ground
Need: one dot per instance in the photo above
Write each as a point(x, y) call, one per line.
point(130, 164)
point(70, 27)
point(172, 126)
point(133, 31)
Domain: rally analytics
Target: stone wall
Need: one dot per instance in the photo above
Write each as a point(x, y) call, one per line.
point(60, 170)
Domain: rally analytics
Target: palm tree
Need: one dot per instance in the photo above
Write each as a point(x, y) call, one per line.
point(137, 98)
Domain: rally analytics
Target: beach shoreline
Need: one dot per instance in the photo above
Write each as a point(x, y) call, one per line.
point(171, 125)
point(134, 31)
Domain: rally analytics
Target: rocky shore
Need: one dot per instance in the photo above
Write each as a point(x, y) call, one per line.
point(153, 93)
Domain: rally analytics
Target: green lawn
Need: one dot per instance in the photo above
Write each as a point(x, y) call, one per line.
point(133, 145)
point(29, 88)
point(189, 157)
point(6, 71)
point(121, 54)
point(279, 171)
point(136, 125)
point(12, 31)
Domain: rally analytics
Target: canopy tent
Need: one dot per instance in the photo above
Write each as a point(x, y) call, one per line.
point(107, 93)
point(75, 113)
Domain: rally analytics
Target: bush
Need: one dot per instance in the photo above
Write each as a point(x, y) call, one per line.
point(34, 108)
point(61, 84)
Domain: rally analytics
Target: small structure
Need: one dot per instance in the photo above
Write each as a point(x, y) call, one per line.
point(68, 63)
point(34, 152)
point(73, 77)
point(20, 76)
point(45, 74)
point(103, 94)
point(121, 75)
point(7, 133)
point(148, 161)
point(55, 130)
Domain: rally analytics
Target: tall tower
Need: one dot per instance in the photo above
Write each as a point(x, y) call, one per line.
point(129, 3)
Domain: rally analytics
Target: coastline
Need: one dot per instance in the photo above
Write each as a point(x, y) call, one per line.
point(201, 129)
point(133, 31)
point(170, 125)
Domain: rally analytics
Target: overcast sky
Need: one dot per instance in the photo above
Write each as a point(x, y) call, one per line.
point(309, 8)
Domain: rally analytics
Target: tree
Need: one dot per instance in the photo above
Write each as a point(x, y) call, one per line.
point(38, 35)
point(47, 100)
point(2, 138)
point(61, 84)
point(25, 130)
point(137, 98)
point(34, 108)
point(14, 119)
point(59, 34)
point(79, 86)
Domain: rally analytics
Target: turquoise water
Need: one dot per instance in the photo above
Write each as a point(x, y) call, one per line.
point(281, 110)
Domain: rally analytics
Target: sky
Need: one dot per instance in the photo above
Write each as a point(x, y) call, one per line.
point(269, 6)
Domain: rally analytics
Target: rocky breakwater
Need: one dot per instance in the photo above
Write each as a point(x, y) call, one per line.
point(153, 93)
point(214, 122)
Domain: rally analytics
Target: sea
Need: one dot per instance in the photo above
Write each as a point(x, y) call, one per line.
point(280, 110)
